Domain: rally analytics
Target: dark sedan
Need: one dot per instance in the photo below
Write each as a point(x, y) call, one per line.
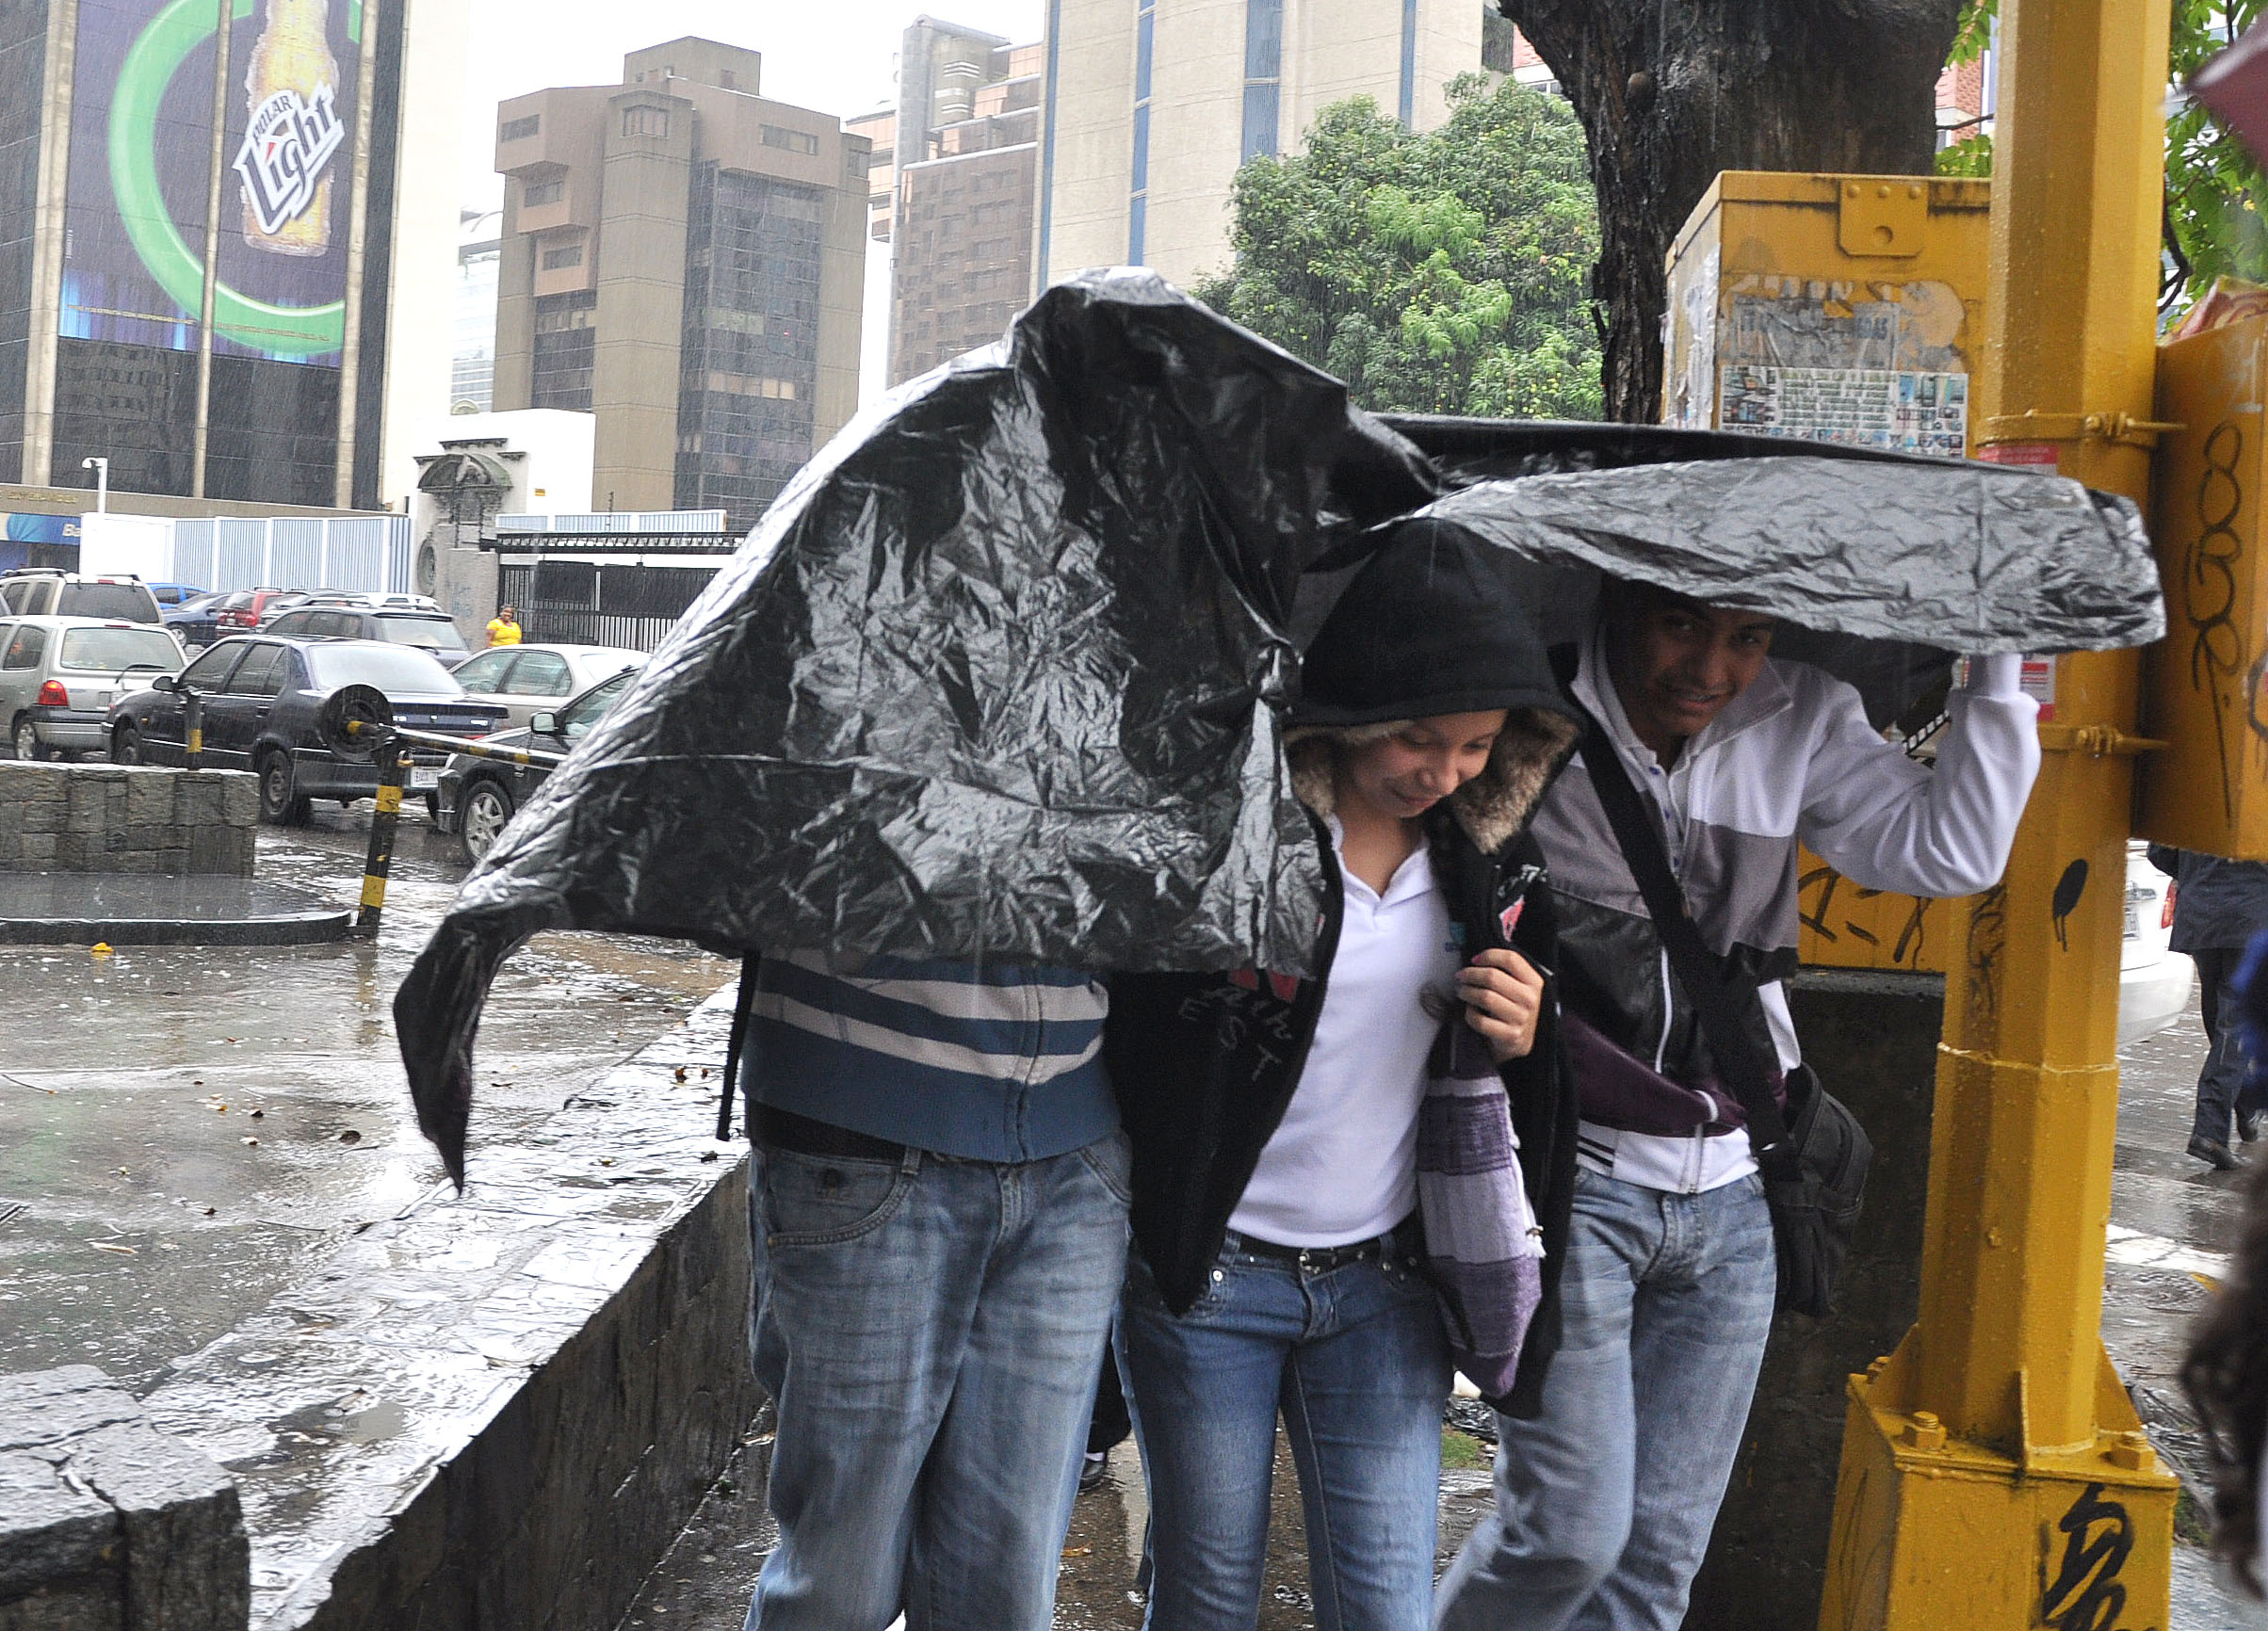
point(261, 696)
point(477, 797)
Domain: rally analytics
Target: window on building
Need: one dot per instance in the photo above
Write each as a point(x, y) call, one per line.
point(542, 192)
point(1263, 71)
point(792, 141)
point(520, 129)
point(653, 121)
point(570, 256)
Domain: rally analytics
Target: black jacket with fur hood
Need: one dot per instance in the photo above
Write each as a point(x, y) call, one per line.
point(1205, 1065)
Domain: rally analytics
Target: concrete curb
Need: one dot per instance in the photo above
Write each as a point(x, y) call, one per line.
point(498, 1411)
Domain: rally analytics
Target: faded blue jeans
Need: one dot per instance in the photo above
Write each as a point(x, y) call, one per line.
point(931, 1331)
point(1605, 1502)
point(1356, 1360)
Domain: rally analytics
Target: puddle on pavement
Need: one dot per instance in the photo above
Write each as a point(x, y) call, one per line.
point(184, 1131)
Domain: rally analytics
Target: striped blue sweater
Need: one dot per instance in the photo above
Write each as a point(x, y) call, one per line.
point(993, 1062)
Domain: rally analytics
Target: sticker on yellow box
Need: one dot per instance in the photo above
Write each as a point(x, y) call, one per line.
point(1899, 409)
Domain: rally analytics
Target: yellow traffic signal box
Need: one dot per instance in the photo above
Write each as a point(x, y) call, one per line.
point(2201, 686)
point(1835, 308)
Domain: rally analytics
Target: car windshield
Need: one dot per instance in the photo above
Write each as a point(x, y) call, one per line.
point(587, 710)
point(417, 631)
point(404, 671)
point(107, 650)
point(130, 600)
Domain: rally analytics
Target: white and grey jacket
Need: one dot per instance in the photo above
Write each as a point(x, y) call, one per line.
point(1792, 758)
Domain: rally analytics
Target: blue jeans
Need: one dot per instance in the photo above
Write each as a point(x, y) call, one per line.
point(929, 1330)
point(1356, 1358)
point(2225, 1086)
point(1605, 1502)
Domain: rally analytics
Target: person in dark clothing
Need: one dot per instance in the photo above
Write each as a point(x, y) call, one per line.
point(2218, 907)
point(1305, 1176)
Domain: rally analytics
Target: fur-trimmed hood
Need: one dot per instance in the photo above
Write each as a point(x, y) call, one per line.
point(1491, 808)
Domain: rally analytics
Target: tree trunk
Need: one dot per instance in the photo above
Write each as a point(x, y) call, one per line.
point(1672, 91)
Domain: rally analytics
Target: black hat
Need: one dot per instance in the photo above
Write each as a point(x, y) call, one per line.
point(1431, 624)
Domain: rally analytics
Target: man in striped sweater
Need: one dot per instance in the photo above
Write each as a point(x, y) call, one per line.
point(938, 1209)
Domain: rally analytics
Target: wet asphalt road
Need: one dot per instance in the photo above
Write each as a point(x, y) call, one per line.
point(183, 1131)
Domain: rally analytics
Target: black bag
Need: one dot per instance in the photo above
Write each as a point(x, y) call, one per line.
point(1814, 1159)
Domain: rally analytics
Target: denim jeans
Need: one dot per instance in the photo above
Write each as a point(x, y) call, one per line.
point(1605, 1502)
point(1356, 1360)
point(929, 1330)
point(2222, 1085)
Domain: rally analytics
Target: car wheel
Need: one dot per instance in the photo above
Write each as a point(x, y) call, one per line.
point(280, 802)
point(25, 740)
point(482, 810)
point(126, 745)
point(433, 808)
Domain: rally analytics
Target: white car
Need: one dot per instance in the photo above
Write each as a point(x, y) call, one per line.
point(2153, 981)
point(529, 679)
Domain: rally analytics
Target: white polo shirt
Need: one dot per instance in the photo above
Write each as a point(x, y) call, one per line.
point(1342, 1165)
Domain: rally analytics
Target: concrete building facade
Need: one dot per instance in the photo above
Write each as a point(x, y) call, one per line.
point(684, 259)
point(967, 162)
point(198, 242)
point(1148, 111)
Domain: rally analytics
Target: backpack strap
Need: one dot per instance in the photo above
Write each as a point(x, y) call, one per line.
point(1724, 997)
point(744, 1004)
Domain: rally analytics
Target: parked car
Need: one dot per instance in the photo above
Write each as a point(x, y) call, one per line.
point(477, 797)
point(2153, 981)
point(174, 594)
point(429, 632)
point(240, 612)
point(527, 679)
point(39, 591)
point(261, 697)
point(196, 622)
point(369, 600)
point(58, 677)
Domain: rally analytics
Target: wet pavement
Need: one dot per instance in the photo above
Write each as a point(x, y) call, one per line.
point(184, 1131)
point(130, 909)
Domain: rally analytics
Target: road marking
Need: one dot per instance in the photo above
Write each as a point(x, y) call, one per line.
point(2139, 1250)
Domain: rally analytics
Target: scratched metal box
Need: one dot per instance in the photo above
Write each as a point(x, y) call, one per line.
point(2201, 686)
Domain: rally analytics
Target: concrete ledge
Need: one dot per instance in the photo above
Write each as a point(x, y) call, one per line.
point(81, 907)
point(106, 1523)
point(498, 1411)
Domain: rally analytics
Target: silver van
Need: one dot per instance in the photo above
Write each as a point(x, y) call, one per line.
point(40, 591)
point(58, 677)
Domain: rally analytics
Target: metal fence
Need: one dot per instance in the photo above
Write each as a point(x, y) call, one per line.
point(358, 552)
point(568, 589)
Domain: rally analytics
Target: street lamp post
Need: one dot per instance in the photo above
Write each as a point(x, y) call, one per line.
point(101, 482)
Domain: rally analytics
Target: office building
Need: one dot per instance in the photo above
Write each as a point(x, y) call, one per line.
point(197, 243)
point(473, 357)
point(1148, 112)
point(682, 259)
point(967, 165)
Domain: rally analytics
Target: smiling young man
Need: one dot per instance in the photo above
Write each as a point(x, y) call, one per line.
point(1608, 1476)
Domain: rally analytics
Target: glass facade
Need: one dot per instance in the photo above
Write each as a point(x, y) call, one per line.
point(566, 341)
point(1138, 207)
point(1263, 75)
point(749, 367)
point(23, 67)
point(473, 351)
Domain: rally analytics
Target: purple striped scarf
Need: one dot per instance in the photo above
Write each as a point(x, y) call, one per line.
point(1483, 1248)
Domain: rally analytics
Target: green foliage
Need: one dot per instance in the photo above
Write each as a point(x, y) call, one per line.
point(1441, 273)
point(2215, 186)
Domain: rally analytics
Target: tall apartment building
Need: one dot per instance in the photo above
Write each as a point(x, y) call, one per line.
point(1149, 111)
point(967, 182)
point(472, 314)
point(201, 241)
point(684, 259)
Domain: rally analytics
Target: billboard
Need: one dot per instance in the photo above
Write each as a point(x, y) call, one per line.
point(141, 148)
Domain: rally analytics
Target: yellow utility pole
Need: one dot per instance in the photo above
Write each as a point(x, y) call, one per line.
point(1994, 1473)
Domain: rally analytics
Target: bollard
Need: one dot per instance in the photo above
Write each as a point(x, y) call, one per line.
point(382, 822)
point(192, 724)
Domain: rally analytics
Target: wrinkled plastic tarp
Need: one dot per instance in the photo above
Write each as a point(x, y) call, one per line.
point(999, 674)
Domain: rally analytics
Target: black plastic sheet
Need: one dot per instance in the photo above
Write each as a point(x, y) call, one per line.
point(999, 674)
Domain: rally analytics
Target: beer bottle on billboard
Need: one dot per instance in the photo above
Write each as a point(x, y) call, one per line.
point(291, 84)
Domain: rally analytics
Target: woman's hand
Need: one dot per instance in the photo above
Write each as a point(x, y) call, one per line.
point(1502, 994)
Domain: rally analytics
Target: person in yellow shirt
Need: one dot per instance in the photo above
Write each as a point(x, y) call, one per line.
point(504, 628)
